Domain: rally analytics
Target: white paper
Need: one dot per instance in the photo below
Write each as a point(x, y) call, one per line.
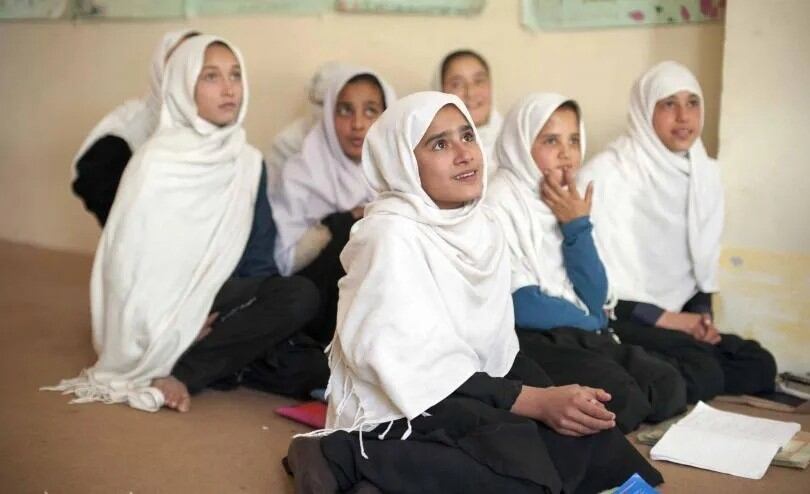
point(724, 442)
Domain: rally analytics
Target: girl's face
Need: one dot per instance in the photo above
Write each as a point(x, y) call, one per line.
point(557, 146)
point(450, 161)
point(468, 79)
point(676, 120)
point(358, 105)
point(218, 92)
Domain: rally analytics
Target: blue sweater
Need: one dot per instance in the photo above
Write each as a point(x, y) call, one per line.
point(535, 310)
point(257, 258)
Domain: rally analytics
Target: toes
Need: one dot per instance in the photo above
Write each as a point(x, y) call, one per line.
point(184, 404)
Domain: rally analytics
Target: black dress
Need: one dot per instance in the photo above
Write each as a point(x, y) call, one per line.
point(470, 442)
point(98, 173)
point(733, 366)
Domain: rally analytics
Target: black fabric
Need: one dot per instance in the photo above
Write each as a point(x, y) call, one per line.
point(464, 444)
point(701, 303)
point(642, 386)
point(644, 313)
point(256, 314)
point(493, 391)
point(293, 368)
point(98, 173)
point(325, 271)
point(733, 366)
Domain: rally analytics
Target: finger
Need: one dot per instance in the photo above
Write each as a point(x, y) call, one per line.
point(603, 395)
point(184, 405)
point(554, 196)
point(596, 410)
point(554, 187)
point(546, 196)
point(586, 424)
point(567, 432)
point(699, 330)
point(589, 195)
point(568, 173)
point(576, 426)
point(596, 393)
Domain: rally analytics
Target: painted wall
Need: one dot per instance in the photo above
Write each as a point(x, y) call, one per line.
point(764, 124)
point(58, 79)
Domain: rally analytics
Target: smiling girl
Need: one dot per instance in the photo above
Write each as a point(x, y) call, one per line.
point(658, 220)
point(466, 74)
point(428, 392)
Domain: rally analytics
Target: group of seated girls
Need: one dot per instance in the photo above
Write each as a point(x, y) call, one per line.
point(489, 331)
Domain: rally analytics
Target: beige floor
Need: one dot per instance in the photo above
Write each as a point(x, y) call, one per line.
point(229, 442)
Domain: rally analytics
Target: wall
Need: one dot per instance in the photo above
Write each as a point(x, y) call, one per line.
point(58, 79)
point(765, 119)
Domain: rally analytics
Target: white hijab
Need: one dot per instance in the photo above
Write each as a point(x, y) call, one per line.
point(176, 232)
point(658, 216)
point(289, 141)
point(488, 132)
point(319, 180)
point(135, 120)
point(425, 302)
point(532, 231)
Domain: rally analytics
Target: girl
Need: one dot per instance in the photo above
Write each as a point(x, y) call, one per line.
point(559, 287)
point(658, 216)
point(101, 160)
point(321, 191)
point(167, 320)
point(425, 364)
point(466, 74)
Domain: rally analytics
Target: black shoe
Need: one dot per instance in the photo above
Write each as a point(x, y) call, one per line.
point(309, 467)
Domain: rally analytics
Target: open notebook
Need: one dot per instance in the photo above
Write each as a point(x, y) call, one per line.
point(724, 442)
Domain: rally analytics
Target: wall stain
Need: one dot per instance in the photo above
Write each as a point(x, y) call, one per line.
point(766, 295)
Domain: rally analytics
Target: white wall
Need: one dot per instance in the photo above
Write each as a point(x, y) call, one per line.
point(58, 79)
point(764, 128)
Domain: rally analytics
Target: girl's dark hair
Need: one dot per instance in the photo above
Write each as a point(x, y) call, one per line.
point(573, 106)
point(459, 54)
point(371, 80)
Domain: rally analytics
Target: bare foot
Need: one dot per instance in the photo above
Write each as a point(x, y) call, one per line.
point(174, 392)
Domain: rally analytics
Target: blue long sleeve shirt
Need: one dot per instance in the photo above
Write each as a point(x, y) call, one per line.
point(257, 258)
point(534, 310)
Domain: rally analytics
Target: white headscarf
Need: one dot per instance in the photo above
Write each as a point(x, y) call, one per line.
point(321, 179)
point(175, 234)
point(135, 120)
point(658, 216)
point(532, 231)
point(425, 302)
point(488, 132)
point(289, 141)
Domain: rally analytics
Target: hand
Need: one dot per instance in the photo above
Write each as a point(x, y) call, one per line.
point(207, 326)
point(686, 322)
point(566, 204)
point(710, 335)
point(571, 410)
point(357, 212)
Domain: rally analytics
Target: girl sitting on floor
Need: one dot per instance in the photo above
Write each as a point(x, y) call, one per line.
point(658, 219)
point(428, 392)
point(559, 287)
